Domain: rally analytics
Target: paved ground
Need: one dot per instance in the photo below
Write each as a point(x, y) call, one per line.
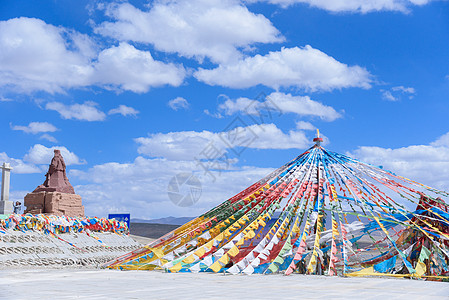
point(112, 284)
point(149, 230)
point(141, 239)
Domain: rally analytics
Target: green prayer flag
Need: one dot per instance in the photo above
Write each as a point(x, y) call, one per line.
point(279, 260)
point(425, 253)
point(273, 268)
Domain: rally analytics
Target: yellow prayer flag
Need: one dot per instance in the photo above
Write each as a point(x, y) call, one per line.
point(250, 235)
point(233, 251)
point(209, 245)
point(158, 252)
point(420, 268)
point(215, 267)
point(188, 260)
point(219, 237)
point(240, 242)
point(363, 272)
point(312, 264)
point(296, 229)
point(335, 232)
point(224, 259)
point(176, 268)
point(200, 252)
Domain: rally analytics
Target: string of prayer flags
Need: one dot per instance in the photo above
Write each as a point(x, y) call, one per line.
point(321, 213)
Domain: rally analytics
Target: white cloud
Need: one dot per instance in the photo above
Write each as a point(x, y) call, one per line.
point(406, 90)
point(280, 103)
point(140, 187)
point(441, 141)
point(36, 127)
point(49, 138)
point(213, 115)
point(428, 164)
point(124, 111)
point(37, 56)
point(18, 165)
point(178, 103)
point(83, 112)
point(395, 93)
point(356, 6)
point(3, 99)
point(41, 155)
point(305, 68)
point(134, 70)
point(188, 145)
point(216, 29)
point(302, 125)
point(387, 95)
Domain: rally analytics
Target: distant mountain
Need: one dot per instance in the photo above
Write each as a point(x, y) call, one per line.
point(176, 221)
point(167, 220)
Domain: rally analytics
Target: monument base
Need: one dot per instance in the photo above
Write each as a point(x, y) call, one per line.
point(6, 207)
point(54, 203)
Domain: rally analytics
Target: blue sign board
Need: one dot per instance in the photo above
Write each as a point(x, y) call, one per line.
point(120, 217)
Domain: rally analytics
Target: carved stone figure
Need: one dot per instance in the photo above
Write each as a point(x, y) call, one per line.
point(56, 195)
point(56, 178)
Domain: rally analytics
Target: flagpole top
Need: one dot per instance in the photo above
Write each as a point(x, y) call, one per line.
point(318, 140)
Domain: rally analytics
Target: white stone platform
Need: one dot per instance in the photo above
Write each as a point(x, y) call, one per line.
point(36, 249)
point(114, 284)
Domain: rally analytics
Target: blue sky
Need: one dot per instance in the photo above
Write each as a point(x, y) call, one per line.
point(136, 92)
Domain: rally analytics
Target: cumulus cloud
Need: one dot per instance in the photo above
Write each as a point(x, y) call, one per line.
point(128, 68)
point(428, 164)
point(188, 145)
point(215, 29)
point(281, 103)
point(18, 165)
point(140, 187)
point(41, 155)
point(124, 111)
point(37, 56)
point(40, 56)
point(302, 125)
point(306, 68)
point(36, 127)
point(83, 112)
point(355, 6)
point(49, 138)
point(178, 103)
point(38, 158)
point(395, 93)
point(441, 141)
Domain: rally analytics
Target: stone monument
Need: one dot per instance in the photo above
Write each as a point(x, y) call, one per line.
point(6, 206)
point(56, 195)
